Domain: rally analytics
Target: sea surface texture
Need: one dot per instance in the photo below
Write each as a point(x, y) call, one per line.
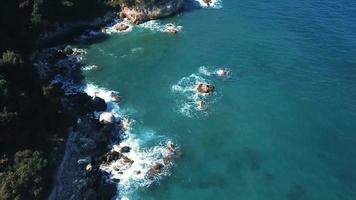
point(281, 126)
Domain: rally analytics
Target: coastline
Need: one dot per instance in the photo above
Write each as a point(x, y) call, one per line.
point(79, 175)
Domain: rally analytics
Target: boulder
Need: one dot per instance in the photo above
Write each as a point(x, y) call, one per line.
point(98, 104)
point(120, 27)
point(106, 118)
point(125, 149)
point(205, 88)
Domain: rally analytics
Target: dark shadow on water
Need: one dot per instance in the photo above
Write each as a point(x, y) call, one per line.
point(252, 159)
point(297, 192)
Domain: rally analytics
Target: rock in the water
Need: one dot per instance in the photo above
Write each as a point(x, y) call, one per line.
point(106, 118)
point(125, 149)
point(207, 2)
point(98, 104)
point(121, 27)
point(171, 29)
point(205, 88)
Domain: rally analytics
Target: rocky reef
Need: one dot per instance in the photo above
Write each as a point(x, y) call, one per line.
point(144, 12)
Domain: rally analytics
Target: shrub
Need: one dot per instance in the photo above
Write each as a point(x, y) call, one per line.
point(23, 180)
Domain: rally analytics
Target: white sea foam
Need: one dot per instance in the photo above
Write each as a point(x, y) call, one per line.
point(214, 4)
point(144, 157)
point(91, 67)
point(110, 29)
point(156, 26)
point(187, 95)
point(137, 49)
point(216, 71)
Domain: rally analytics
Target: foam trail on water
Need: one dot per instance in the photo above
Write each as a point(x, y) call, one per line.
point(156, 26)
point(91, 68)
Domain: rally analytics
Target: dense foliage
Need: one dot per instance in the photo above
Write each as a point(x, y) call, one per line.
point(24, 178)
point(31, 112)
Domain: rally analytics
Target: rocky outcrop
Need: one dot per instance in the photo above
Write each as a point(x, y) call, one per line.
point(120, 27)
point(141, 13)
point(205, 88)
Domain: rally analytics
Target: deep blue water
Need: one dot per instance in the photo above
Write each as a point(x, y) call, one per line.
point(282, 127)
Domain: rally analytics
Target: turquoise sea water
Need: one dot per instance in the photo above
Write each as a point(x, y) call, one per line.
point(282, 127)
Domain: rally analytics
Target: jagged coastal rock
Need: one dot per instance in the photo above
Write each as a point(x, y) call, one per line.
point(140, 13)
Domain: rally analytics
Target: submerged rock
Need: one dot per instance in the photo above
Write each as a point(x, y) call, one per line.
point(140, 13)
point(155, 169)
point(106, 118)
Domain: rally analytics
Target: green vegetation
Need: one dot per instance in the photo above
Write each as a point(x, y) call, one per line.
point(24, 178)
point(31, 113)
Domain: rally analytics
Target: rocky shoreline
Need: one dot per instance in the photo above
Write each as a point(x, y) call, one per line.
point(141, 13)
point(78, 176)
point(90, 140)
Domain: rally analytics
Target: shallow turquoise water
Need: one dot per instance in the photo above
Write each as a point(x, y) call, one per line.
point(282, 127)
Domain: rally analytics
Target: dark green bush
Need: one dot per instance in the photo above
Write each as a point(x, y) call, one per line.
point(24, 179)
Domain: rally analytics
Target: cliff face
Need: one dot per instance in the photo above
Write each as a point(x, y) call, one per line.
point(141, 13)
